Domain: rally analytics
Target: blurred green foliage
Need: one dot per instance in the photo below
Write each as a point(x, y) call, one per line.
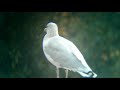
point(96, 34)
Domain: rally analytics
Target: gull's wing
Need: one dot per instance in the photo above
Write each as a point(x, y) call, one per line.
point(65, 53)
point(77, 53)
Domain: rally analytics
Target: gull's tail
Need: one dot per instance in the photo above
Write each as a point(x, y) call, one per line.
point(89, 74)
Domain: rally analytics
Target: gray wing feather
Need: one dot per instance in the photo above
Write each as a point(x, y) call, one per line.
point(60, 50)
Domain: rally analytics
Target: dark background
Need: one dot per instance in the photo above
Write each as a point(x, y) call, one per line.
point(96, 34)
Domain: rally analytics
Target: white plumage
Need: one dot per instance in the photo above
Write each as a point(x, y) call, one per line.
point(63, 53)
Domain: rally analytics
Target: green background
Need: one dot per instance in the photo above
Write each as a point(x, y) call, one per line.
point(96, 34)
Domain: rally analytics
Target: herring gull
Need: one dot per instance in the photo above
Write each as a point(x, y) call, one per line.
point(62, 53)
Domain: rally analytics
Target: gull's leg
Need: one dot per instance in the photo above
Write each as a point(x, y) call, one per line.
point(66, 72)
point(57, 71)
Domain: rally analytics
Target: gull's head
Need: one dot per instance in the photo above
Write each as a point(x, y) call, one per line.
point(51, 27)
